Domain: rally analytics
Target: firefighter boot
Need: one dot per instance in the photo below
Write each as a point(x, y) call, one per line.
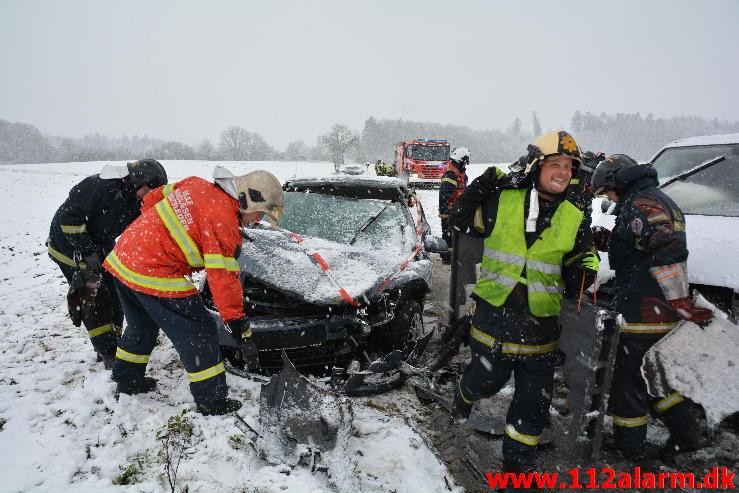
point(516, 468)
point(684, 431)
point(460, 408)
point(218, 408)
point(138, 387)
point(107, 357)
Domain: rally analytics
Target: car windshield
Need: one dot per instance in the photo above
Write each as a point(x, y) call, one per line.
point(430, 153)
point(372, 223)
point(713, 191)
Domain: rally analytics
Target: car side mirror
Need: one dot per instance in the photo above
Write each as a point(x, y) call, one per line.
point(435, 244)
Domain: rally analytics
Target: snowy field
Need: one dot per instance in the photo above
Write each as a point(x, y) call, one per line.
point(62, 429)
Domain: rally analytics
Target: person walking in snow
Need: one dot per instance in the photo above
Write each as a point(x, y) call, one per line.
point(536, 244)
point(186, 227)
point(83, 231)
point(648, 251)
point(452, 185)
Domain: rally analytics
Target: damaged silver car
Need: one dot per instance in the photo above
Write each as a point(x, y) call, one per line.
point(343, 278)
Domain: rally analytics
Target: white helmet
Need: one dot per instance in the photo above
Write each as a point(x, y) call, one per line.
point(257, 191)
point(460, 154)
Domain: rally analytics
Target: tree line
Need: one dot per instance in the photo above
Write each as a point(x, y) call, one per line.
point(626, 133)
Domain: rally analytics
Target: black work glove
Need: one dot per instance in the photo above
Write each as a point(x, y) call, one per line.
point(591, 159)
point(486, 183)
point(250, 353)
point(601, 236)
point(93, 264)
point(520, 165)
point(239, 329)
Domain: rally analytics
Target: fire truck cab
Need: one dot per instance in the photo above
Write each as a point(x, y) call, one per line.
point(421, 162)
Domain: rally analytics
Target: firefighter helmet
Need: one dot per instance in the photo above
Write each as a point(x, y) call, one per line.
point(556, 142)
point(147, 173)
point(606, 175)
point(260, 191)
point(460, 155)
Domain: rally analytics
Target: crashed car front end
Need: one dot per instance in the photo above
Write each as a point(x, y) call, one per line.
point(341, 288)
point(313, 336)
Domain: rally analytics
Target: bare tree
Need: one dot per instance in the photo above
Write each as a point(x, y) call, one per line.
point(297, 151)
point(233, 143)
point(535, 123)
point(515, 129)
point(174, 150)
point(337, 142)
point(240, 145)
point(257, 149)
point(205, 150)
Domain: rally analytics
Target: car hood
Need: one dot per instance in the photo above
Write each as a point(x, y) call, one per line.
point(277, 260)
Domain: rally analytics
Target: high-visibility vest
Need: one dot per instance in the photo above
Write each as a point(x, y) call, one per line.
point(506, 256)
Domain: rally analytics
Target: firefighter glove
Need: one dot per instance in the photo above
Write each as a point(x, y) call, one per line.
point(535, 155)
point(600, 238)
point(239, 329)
point(486, 183)
point(591, 159)
point(688, 311)
point(590, 262)
point(250, 353)
point(93, 265)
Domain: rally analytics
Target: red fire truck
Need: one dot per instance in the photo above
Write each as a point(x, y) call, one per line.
point(421, 161)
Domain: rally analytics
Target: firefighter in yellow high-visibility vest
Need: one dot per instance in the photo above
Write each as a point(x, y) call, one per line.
point(531, 231)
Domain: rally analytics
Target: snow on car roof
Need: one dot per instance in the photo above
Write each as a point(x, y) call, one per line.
point(704, 140)
point(372, 181)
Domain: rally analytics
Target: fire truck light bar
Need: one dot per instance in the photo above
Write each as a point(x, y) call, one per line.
point(432, 140)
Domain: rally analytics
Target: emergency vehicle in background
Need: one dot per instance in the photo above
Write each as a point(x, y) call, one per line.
point(421, 162)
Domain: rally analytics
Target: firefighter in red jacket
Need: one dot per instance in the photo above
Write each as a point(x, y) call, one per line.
point(185, 227)
point(452, 185)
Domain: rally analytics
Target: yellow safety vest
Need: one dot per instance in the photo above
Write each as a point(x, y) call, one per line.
point(506, 256)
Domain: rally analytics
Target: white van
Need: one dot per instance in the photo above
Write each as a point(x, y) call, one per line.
point(709, 198)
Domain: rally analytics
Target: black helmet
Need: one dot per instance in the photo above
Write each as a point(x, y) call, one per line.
point(147, 173)
point(609, 175)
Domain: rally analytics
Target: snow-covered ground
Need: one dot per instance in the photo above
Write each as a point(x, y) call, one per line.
point(61, 428)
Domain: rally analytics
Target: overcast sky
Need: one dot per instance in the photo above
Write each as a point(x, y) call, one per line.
point(185, 70)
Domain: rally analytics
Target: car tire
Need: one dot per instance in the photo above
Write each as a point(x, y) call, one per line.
point(407, 326)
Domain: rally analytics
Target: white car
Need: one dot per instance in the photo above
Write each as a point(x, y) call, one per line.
point(353, 169)
point(701, 174)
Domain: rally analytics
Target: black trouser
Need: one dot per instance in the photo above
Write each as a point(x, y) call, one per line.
point(528, 412)
point(446, 234)
point(632, 404)
point(102, 314)
point(193, 332)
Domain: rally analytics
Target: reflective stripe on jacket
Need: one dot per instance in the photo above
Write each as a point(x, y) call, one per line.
point(506, 257)
point(184, 228)
point(94, 214)
point(453, 183)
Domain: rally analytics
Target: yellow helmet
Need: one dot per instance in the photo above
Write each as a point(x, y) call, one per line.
point(556, 142)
